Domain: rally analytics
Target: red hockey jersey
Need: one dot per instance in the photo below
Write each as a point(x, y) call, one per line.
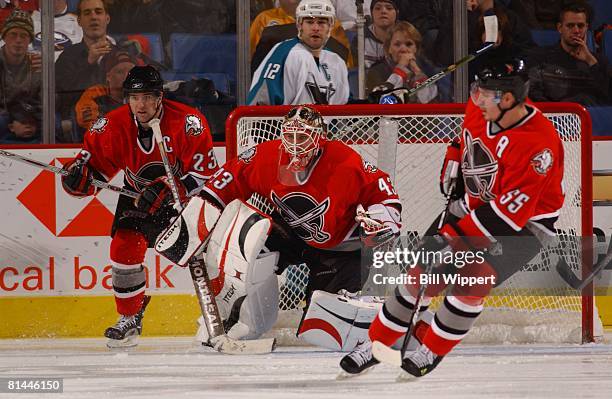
point(517, 171)
point(322, 209)
point(114, 144)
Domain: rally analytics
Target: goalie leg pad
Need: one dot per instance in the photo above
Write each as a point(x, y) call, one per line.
point(336, 322)
point(188, 232)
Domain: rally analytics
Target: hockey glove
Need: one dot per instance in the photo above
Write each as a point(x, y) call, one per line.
point(78, 180)
point(158, 195)
point(450, 168)
point(378, 224)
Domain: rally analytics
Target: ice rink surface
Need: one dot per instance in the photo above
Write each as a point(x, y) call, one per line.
point(176, 368)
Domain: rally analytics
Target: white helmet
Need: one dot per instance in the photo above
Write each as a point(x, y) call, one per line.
point(316, 8)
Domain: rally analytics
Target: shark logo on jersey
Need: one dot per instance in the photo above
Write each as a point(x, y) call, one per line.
point(247, 155)
point(99, 125)
point(147, 173)
point(325, 69)
point(479, 168)
point(318, 93)
point(304, 215)
point(193, 125)
point(542, 162)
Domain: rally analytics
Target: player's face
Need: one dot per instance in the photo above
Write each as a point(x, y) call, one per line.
point(144, 106)
point(315, 31)
point(573, 28)
point(401, 43)
point(488, 101)
point(383, 14)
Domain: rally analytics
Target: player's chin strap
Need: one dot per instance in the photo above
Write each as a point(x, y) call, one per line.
point(503, 111)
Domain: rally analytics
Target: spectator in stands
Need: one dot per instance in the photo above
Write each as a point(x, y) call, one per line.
point(346, 12)
point(504, 49)
point(23, 123)
point(7, 7)
point(302, 70)
point(79, 66)
point(403, 66)
point(569, 71)
point(521, 35)
point(102, 98)
point(65, 24)
point(384, 15)
point(278, 24)
point(20, 76)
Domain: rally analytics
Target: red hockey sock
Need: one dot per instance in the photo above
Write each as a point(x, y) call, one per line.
point(380, 332)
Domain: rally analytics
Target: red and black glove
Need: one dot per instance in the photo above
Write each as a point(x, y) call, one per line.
point(158, 195)
point(78, 180)
point(449, 175)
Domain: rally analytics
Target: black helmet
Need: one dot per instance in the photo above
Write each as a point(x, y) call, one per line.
point(143, 79)
point(505, 77)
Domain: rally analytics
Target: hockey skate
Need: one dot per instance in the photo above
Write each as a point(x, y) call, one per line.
point(358, 362)
point(418, 363)
point(125, 333)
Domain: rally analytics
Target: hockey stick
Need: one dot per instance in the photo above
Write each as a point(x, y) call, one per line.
point(60, 171)
point(570, 278)
point(386, 354)
point(201, 281)
point(491, 33)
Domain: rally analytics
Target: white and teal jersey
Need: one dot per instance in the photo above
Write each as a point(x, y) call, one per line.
point(290, 75)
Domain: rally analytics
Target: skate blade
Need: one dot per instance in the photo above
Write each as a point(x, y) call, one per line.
point(385, 354)
point(404, 376)
point(127, 342)
point(343, 375)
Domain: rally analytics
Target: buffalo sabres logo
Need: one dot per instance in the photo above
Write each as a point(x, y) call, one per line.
point(479, 168)
point(542, 162)
point(304, 215)
point(247, 155)
point(193, 125)
point(99, 125)
point(369, 167)
point(147, 173)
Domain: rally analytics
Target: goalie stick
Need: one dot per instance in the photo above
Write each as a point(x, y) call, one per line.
point(201, 281)
point(60, 171)
point(491, 33)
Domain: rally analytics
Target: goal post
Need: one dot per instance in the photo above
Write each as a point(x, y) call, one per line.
point(409, 140)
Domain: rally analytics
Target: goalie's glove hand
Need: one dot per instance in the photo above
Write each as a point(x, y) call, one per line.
point(376, 225)
point(78, 180)
point(158, 195)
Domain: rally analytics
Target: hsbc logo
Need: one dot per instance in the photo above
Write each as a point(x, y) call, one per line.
point(61, 214)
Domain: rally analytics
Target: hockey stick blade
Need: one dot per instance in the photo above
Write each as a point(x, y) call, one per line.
point(570, 278)
point(229, 346)
point(60, 171)
point(386, 354)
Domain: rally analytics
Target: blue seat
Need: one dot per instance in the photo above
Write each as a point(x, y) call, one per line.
point(601, 118)
point(607, 44)
point(204, 53)
point(72, 6)
point(548, 37)
point(157, 48)
point(221, 80)
point(602, 13)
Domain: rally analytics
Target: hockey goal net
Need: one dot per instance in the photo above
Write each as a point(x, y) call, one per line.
point(409, 142)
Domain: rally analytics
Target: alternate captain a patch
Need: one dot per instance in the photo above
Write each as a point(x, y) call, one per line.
point(193, 125)
point(542, 161)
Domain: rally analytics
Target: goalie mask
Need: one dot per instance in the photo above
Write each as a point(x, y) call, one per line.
point(315, 9)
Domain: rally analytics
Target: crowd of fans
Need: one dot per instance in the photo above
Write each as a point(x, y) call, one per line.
point(406, 41)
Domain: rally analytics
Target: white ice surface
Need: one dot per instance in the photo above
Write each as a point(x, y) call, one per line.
point(175, 368)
